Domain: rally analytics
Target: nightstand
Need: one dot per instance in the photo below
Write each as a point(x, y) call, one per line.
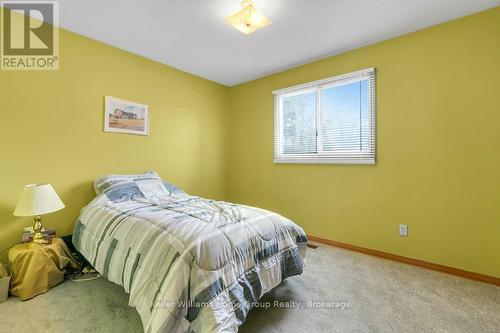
point(36, 270)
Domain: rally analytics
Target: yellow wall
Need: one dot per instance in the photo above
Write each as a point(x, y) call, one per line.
point(439, 86)
point(52, 129)
point(438, 149)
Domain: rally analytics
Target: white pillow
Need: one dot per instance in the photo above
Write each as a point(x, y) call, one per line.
point(148, 182)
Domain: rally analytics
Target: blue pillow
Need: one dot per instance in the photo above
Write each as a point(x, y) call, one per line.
point(172, 188)
point(123, 191)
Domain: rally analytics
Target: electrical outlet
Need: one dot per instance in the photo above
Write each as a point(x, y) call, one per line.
point(403, 230)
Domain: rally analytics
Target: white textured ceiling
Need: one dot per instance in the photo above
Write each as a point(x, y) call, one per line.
point(191, 35)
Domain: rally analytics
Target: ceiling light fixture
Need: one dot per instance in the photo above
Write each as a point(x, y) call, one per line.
point(248, 19)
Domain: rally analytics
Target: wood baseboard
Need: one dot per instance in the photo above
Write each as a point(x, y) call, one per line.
point(411, 261)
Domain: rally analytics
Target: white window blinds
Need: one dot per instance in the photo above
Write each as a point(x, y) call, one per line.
point(327, 121)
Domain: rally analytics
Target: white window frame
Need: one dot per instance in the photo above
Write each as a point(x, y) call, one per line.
point(352, 157)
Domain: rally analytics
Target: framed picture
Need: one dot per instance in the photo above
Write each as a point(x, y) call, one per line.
point(121, 116)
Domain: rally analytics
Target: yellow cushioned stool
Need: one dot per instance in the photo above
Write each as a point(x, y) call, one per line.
point(36, 270)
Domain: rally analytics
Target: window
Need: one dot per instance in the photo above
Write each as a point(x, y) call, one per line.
point(327, 121)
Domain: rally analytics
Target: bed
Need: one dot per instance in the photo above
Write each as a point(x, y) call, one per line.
point(189, 264)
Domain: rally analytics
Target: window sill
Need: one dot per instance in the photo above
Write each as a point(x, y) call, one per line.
point(324, 161)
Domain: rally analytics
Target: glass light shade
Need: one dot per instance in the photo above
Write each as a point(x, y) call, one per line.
point(38, 199)
point(248, 19)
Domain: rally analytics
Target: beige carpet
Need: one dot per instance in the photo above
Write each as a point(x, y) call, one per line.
point(380, 295)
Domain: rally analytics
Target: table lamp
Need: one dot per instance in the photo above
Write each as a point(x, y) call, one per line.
point(36, 200)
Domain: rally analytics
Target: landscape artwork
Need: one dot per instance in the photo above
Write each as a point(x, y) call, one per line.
point(121, 116)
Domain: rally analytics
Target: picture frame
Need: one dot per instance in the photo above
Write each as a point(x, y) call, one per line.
point(122, 116)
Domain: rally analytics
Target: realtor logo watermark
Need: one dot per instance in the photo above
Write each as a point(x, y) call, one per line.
point(308, 304)
point(29, 39)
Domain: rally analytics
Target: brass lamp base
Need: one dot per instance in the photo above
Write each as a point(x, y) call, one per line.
point(38, 238)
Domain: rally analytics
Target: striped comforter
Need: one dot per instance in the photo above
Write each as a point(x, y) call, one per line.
point(189, 264)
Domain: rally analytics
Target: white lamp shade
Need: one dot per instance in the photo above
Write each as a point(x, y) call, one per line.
point(38, 199)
